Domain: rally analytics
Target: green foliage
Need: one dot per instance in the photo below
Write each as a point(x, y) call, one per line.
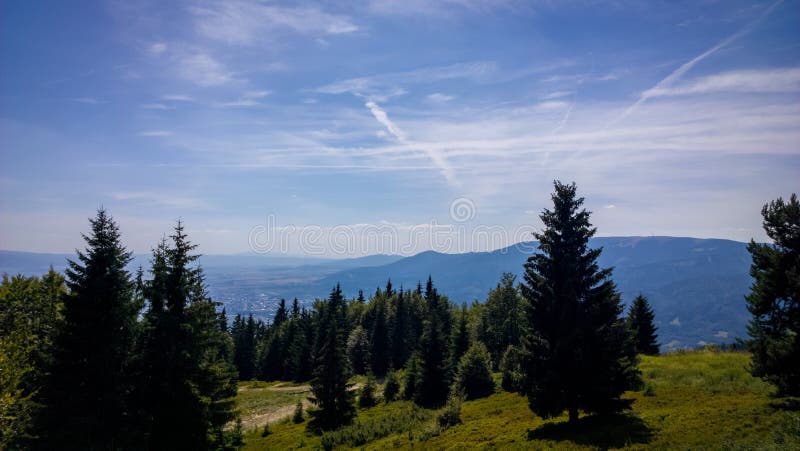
point(474, 374)
point(298, 417)
point(360, 433)
point(358, 350)
point(450, 415)
point(412, 386)
point(367, 394)
point(391, 387)
point(188, 381)
point(640, 321)
point(512, 367)
point(581, 355)
point(774, 299)
point(29, 317)
point(87, 396)
point(503, 318)
point(460, 341)
point(435, 349)
point(332, 370)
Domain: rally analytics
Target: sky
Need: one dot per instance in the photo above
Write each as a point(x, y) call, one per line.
point(350, 128)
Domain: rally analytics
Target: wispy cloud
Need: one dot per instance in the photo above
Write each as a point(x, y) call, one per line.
point(157, 48)
point(203, 70)
point(89, 100)
point(157, 106)
point(178, 98)
point(249, 98)
point(676, 75)
point(151, 197)
point(155, 133)
point(382, 86)
point(760, 81)
point(438, 97)
point(247, 22)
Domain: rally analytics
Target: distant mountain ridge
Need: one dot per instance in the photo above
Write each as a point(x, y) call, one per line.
point(696, 286)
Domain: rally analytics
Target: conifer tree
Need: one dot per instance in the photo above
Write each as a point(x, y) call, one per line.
point(358, 350)
point(88, 394)
point(503, 318)
point(640, 321)
point(412, 385)
point(381, 347)
point(774, 298)
point(330, 385)
point(474, 372)
point(401, 325)
point(435, 349)
point(281, 315)
point(580, 353)
point(460, 341)
point(189, 381)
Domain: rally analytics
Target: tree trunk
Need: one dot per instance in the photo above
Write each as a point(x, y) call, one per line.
point(573, 415)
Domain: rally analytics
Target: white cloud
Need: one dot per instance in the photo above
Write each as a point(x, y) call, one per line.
point(721, 334)
point(761, 81)
point(676, 75)
point(155, 133)
point(89, 100)
point(249, 98)
point(676, 322)
point(157, 48)
point(157, 198)
point(439, 98)
point(557, 95)
point(203, 70)
point(157, 106)
point(178, 98)
point(247, 22)
point(383, 118)
point(552, 105)
point(610, 206)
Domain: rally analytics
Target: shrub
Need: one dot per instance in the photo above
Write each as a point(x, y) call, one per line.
point(511, 366)
point(474, 376)
point(298, 413)
point(366, 397)
point(359, 433)
point(266, 431)
point(391, 387)
point(450, 415)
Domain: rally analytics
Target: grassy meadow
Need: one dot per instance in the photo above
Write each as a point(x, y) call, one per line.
point(690, 400)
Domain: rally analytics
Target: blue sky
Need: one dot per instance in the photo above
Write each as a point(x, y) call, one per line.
point(674, 118)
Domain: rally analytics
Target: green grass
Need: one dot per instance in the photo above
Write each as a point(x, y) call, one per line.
point(255, 397)
point(693, 400)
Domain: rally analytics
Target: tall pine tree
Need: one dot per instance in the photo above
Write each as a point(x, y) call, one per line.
point(774, 299)
point(189, 379)
point(330, 385)
point(88, 396)
point(640, 321)
point(434, 347)
point(580, 353)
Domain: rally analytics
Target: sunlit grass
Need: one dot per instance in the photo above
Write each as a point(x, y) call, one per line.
point(695, 400)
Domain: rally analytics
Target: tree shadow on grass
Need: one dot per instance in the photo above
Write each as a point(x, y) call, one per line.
point(791, 404)
point(602, 431)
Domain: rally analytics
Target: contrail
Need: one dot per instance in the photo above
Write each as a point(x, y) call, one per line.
point(679, 72)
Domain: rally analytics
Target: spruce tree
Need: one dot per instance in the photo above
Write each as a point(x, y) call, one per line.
point(580, 353)
point(358, 350)
point(774, 299)
point(281, 315)
point(435, 349)
point(460, 342)
point(330, 385)
point(88, 395)
point(640, 321)
point(189, 381)
point(503, 318)
point(474, 372)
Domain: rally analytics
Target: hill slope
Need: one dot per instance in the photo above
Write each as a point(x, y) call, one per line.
point(696, 286)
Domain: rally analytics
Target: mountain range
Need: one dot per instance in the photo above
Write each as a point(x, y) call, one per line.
point(695, 286)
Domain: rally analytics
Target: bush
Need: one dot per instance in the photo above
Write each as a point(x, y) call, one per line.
point(366, 397)
point(298, 413)
point(511, 366)
point(451, 414)
point(266, 431)
point(474, 376)
point(358, 434)
point(391, 387)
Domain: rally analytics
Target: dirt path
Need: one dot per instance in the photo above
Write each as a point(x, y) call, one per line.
point(279, 413)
